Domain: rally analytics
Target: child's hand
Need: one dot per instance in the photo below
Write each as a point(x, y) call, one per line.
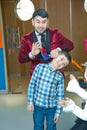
point(30, 107)
point(72, 76)
point(56, 119)
point(64, 103)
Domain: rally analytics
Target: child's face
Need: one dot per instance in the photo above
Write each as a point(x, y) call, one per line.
point(60, 62)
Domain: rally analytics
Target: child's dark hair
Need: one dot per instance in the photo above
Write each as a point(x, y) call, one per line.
point(68, 56)
point(40, 12)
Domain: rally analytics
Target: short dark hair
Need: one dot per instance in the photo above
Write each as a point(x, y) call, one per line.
point(82, 83)
point(67, 54)
point(40, 12)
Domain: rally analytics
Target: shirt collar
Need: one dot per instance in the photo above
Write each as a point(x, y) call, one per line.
point(38, 34)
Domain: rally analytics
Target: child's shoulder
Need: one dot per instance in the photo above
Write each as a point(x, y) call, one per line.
point(41, 65)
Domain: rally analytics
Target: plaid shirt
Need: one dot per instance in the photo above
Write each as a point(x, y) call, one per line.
point(46, 87)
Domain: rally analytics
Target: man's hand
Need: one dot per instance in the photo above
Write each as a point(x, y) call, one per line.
point(30, 107)
point(54, 53)
point(35, 49)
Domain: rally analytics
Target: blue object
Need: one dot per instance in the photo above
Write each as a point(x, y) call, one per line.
point(46, 56)
point(2, 71)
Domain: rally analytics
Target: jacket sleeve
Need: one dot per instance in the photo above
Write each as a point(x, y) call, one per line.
point(73, 86)
point(72, 107)
point(25, 49)
point(58, 40)
point(81, 113)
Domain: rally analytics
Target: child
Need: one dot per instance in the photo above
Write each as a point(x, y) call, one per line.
point(45, 88)
point(70, 106)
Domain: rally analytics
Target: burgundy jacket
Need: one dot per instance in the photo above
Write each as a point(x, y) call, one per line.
point(56, 40)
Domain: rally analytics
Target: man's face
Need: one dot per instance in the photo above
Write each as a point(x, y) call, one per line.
point(60, 62)
point(40, 24)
